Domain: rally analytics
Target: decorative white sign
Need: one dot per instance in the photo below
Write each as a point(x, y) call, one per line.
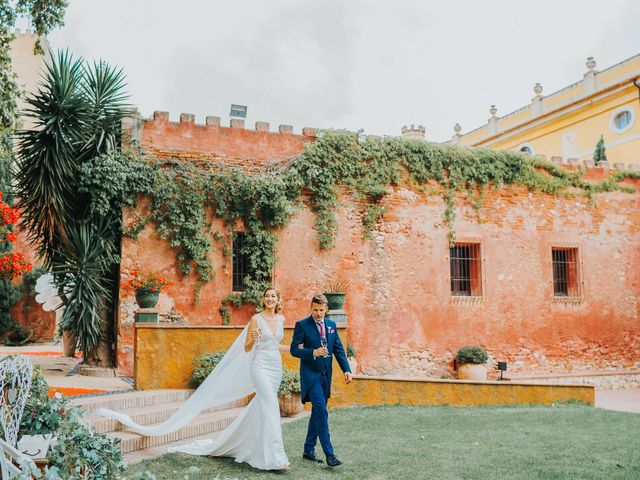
point(47, 293)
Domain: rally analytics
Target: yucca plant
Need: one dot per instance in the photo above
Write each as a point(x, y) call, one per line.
point(82, 271)
point(77, 112)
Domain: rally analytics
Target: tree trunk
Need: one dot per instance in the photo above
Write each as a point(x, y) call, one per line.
point(102, 355)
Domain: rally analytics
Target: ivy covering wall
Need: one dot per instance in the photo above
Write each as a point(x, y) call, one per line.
point(337, 162)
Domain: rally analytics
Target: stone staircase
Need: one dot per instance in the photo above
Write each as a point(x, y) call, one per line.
point(150, 407)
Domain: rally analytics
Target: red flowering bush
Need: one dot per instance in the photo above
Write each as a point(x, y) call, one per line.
point(149, 282)
point(11, 264)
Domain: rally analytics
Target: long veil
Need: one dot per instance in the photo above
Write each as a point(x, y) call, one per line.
point(230, 380)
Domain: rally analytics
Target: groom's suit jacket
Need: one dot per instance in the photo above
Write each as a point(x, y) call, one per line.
point(306, 334)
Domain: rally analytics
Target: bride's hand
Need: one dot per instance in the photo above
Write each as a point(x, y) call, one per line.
point(255, 333)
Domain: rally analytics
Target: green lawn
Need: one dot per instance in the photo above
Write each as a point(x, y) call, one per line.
point(564, 442)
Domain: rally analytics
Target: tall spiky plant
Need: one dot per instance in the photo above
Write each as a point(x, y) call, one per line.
point(77, 112)
point(82, 273)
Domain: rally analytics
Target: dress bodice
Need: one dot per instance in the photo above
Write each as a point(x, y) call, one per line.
point(269, 340)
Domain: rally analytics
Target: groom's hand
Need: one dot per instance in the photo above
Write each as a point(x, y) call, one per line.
point(348, 377)
point(320, 352)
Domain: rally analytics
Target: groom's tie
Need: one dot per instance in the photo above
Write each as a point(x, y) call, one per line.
point(320, 325)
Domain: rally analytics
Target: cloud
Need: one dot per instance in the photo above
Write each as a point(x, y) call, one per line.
point(296, 61)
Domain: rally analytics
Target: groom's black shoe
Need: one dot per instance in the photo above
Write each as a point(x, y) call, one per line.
point(312, 456)
point(333, 461)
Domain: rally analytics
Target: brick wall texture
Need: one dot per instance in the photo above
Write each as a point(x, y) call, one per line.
point(402, 318)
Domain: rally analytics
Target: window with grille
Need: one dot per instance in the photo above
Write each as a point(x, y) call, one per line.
point(466, 270)
point(566, 272)
point(240, 263)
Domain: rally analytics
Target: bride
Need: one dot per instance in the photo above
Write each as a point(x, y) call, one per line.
point(252, 364)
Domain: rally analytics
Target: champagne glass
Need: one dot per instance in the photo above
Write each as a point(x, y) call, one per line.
point(323, 344)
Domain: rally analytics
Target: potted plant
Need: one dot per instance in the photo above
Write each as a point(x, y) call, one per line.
point(289, 393)
point(471, 363)
point(335, 289)
point(204, 365)
point(147, 287)
point(351, 356)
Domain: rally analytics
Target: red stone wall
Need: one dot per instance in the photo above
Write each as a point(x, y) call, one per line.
point(27, 312)
point(402, 319)
point(35, 322)
point(161, 138)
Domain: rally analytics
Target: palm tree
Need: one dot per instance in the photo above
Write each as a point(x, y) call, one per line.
point(77, 112)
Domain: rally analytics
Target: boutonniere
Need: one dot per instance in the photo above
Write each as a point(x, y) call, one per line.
point(331, 330)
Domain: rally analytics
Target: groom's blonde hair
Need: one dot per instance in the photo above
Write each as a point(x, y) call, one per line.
point(320, 299)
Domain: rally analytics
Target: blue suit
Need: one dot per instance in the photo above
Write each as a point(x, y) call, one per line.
point(315, 376)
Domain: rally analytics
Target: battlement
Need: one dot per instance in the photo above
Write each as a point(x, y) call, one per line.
point(212, 143)
point(594, 172)
point(23, 33)
point(237, 123)
point(588, 164)
point(413, 132)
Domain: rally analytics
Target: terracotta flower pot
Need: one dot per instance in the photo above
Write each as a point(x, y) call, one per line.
point(290, 406)
point(147, 299)
point(472, 371)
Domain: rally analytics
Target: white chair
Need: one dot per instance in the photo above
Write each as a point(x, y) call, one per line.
point(15, 465)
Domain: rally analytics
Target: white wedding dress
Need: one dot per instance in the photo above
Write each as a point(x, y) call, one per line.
point(254, 437)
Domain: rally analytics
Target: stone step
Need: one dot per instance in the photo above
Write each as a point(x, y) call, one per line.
point(150, 415)
point(201, 425)
point(129, 400)
point(153, 452)
point(159, 450)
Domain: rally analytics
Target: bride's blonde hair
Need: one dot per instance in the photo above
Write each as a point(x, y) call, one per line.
point(278, 304)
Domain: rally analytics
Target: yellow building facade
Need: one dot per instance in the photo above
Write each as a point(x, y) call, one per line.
point(567, 124)
point(27, 66)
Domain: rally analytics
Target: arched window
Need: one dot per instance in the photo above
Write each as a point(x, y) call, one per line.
point(622, 119)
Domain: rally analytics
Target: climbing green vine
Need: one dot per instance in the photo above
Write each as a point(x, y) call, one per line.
point(184, 199)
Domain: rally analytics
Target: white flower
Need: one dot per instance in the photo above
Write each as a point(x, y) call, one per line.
point(58, 395)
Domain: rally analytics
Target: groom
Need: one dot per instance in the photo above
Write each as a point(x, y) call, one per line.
point(315, 374)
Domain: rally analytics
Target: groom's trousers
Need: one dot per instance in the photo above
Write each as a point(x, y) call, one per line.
point(319, 421)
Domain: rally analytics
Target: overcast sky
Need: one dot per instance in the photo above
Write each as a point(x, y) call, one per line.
point(354, 64)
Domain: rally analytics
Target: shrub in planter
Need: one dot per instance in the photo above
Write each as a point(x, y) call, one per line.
point(335, 288)
point(43, 416)
point(204, 364)
point(44, 419)
point(289, 393)
point(472, 361)
point(477, 355)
